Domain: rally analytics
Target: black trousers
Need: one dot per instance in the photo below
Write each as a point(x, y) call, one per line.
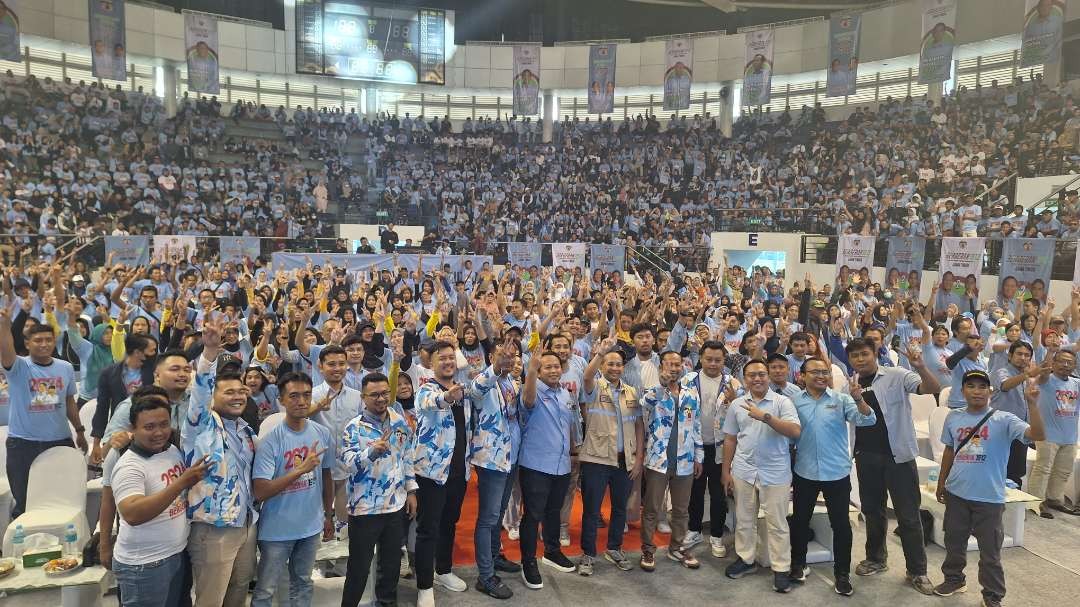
point(1017, 467)
point(718, 507)
point(365, 533)
point(438, 510)
point(837, 495)
point(21, 453)
point(879, 473)
point(543, 495)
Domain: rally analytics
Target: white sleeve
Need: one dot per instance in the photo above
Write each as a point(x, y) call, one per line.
point(127, 480)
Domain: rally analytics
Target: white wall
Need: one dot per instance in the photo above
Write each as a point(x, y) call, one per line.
point(1032, 189)
point(795, 270)
point(887, 32)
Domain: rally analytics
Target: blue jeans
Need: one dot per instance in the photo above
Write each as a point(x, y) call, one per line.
point(299, 556)
point(156, 584)
point(494, 492)
point(596, 479)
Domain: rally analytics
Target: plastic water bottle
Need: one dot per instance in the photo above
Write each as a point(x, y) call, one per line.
point(18, 545)
point(933, 479)
point(71, 541)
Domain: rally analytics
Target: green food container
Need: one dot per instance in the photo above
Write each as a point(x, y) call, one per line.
point(38, 559)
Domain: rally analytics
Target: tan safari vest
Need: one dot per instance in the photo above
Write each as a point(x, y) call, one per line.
point(601, 434)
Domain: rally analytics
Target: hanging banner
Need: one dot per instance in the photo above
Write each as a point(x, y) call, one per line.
point(1025, 268)
point(201, 42)
point(903, 274)
point(236, 248)
point(568, 255)
point(527, 80)
point(108, 46)
point(607, 257)
point(961, 258)
point(524, 254)
point(1076, 272)
point(679, 74)
point(757, 74)
point(9, 34)
point(381, 261)
point(938, 40)
point(166, 246)
point(602, 79)
point(843, 55)
point(855, 253)
point(1043, 23)
point(128, 250)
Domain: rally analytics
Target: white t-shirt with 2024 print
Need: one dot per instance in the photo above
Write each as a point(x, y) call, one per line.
point(164, 535)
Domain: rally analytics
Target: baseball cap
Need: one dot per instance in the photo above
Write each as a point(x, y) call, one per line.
point(976, 375)
point(818, 304)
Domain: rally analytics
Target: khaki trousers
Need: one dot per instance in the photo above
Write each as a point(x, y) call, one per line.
point(774, 499)
point(656, 483)
point(1051, 470)
point(222, 563)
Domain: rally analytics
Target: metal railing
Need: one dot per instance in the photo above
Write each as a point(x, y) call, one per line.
point(1050, 201)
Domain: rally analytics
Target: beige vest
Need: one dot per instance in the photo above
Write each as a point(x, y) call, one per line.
point(601, 434)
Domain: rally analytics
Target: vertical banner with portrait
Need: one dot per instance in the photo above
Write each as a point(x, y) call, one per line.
point(854, 259)
point(757, 72)
point(607, 257)
point(201, 49)
point(524, 254)
point(10, 50)
point(903, 273)
point(843, 70)
point(568, 255)
point(1043, 24)
point(166, 246)
point(938, 40)
point(959, 271)
point(679, 74)
point(1025, 269)
point(108, 43)
point(526, 79)
point(236, 248)
point(128, 250)
point(602, 78)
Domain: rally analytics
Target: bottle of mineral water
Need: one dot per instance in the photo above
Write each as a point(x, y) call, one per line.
point(71, 541)
point(18, 545)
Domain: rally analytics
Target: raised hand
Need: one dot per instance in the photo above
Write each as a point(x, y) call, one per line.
point(382, 444)
point(195, 472)
point(309, 463)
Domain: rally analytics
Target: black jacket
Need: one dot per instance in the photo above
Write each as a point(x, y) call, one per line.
point(111, 391)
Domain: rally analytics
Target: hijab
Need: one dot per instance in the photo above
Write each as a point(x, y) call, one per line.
point(100, 357)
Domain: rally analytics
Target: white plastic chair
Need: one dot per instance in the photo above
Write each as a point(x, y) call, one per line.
point(937, 423)
point(943, 398)
point(55, 496)
point(5, 487)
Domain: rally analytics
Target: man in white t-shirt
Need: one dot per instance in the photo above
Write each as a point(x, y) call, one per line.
point(149, 484)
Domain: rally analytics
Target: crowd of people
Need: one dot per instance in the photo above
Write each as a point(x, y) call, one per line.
point(245, 414)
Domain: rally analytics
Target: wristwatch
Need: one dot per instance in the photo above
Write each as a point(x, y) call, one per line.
point(765, 418)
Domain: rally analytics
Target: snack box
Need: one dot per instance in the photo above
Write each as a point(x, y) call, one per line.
point(39, 558)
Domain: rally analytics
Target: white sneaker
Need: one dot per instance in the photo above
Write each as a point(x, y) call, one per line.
point(719, 550)
point(663, 527)
point(426, 598)
point(693, 538)
point(564, 537)
point(405, 571)
point(513, 533)
point(451, 582)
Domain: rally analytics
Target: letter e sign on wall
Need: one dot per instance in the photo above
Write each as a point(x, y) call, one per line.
point(752, 240)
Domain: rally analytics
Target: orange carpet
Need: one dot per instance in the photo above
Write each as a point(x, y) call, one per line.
point(464, 553)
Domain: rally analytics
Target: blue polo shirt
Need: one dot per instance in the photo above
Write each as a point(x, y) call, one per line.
point(822, 447)
point(547, 430)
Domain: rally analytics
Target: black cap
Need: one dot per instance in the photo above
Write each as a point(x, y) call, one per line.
point(976, 374)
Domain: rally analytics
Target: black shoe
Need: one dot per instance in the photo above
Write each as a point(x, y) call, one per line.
point(842, 586)
point(506, 565)
point(494, 587)
point(798, 573)
point(530, 574)
point(781, 581)
point(559, 562)
point(740, 568)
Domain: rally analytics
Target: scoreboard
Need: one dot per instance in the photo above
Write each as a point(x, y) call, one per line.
point(352, 39)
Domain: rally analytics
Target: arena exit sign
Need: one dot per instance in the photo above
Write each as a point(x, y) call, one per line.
point(752, 240)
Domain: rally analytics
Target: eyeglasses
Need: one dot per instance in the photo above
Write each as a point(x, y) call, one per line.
point(378, 395)
point(819, 373)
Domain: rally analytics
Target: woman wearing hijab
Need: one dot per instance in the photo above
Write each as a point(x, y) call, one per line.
point(94, 355)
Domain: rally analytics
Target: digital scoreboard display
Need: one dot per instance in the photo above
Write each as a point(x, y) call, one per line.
point(351, 39)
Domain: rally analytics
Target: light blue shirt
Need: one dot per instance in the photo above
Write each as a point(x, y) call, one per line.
point(288, 515)
point(762, 455)
point(1011, 401)
point(38, 398)
point(822, 445)
point(891, 387)
point(1057, 405)
point(549, 426)
point(956, 395)
point(978, 470)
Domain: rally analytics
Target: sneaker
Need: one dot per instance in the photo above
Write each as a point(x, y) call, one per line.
point(648, 561)
point(506, 565)
point(693, 538)
point(513, 533)
point(740, 568)
point(494, 587)
point(684, 557)
point(798, 573)
point(558, 562)
point(842, 586)
point(530, 574)
point(781, 581)
point(716, 544)
point(426, 598)
point(949, 588)
point(921, 583)
point(617, 558)
point(1061, 507)
point(663, 527)
point(564, 537)
point(869, 567)
point(991, 602)
point(451, 582)
point(585, 565)
point(406, 569)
